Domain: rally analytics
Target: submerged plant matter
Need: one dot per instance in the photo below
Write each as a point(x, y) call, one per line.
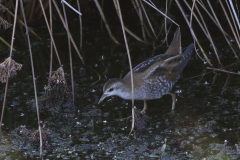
point(58, 76)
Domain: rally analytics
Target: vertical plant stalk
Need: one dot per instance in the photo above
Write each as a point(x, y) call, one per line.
point(141, 19)
point(217, 23)
point(51, 45)
point(8, 70)
point(154, 7)
point(130, 64)
point(203, 27)
point(50, 32)
point(33, 75)
point(145, 13)
point(192, 32)
point(137, 11)
point(234, 12)
point(230, 11)
point(207, 33)
point(101, 18)
point(32, 10)
point(165, 22)
point(10, 13)
point(230, 24)
point(105, 22)
point(192, 12)
point(80, 23)
point(127, 30)
point(70, 53)
point(70, 36)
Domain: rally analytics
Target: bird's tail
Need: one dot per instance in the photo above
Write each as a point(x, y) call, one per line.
point(186, 56)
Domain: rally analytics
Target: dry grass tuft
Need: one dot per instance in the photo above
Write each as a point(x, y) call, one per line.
point(12, 66)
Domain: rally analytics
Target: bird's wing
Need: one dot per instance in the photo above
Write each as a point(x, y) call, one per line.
point(165, 69)
point(171, 67)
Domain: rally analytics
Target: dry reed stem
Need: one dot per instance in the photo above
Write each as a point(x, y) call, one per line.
point(221, 70)
point(70, 53)
point(234, 12)
point(141, 19)
point(105, 22)
point(191, 11)
point(154, 7)
point(211, 71)
point(136, 9)
point(203, 27)
point(9, 64)
point(130, 64)
point(33, 75)
point(192, 32)
point(230, 24)
point(217, 23)
point(50, 32)
point(68, 32)
point(145, 13)
point(236, 29)
point(22, 23)
point(51, 45)
point(80, 24)
point(165, 22)
point(38, 9)
point(129, 31)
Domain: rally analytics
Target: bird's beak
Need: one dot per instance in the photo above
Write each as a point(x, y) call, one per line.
point(102, 98)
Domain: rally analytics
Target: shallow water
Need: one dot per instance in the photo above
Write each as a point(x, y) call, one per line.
point(205, 124)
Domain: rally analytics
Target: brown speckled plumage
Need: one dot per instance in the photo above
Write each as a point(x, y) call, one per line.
point(154, 77)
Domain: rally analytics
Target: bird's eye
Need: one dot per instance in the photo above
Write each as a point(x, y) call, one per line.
point(110, 90)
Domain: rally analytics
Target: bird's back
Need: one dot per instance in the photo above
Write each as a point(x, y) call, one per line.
point(156, 76)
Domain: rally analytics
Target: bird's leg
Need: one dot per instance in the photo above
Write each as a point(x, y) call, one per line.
point(145, 107)
point(173, 101)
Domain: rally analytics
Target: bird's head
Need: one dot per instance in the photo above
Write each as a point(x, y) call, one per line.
point(114, 87)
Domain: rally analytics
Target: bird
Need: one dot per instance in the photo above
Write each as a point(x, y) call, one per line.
point(154, 77)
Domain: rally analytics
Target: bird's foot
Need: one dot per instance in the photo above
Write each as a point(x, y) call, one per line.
point(172, 112)
point(143, 112)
